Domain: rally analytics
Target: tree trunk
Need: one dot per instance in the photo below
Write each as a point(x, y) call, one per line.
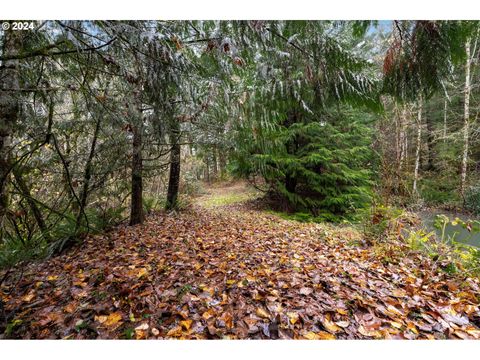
point(9, 110)
point(398, 149)
point(87, 176)
point(419, 144)
point(466, 115)
point(174, 177)
point(37, 214)
point(207, 170)
point(445, 120)
point(290, 183)
point(430, 145)
point(136, 209)
point(222, 163)
point(215, 163)
point(403, 138)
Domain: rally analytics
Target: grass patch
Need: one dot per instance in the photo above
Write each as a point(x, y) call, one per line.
point(228, 199)
point(306, 217)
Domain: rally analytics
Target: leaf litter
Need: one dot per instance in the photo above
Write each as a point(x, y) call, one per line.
point(232, 272)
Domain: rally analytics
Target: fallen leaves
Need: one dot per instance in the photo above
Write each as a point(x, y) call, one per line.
point(321, 335)
point(70, 308)
point(226, 319)
point(343, 324)
point(369, 333)
point(262, 313)
point(306, 291)
point(186, 324)
point(110, 320)
point(142, 272)
point(236, 273)
point(330, 326)
point(175, 331)
point(28, 297)
point(293, 317)
point(143, 326)
point(208, 314)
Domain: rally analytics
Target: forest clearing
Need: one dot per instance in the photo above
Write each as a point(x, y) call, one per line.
point(244, 179)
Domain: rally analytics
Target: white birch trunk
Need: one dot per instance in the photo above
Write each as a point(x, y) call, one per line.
point(445, 121)
point(403, 137)
point(466, 116)
point(419, 144)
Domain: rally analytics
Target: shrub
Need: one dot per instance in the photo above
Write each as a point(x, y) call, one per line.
point(382, 221)
point(472, 199)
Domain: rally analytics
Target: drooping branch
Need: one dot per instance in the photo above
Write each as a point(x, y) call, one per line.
point(45, 51)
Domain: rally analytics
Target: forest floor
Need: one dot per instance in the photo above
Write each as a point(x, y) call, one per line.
point(225, 269)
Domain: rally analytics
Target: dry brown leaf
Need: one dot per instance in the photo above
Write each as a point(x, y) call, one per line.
point(323, 335)
point(343, 324)
point(143, 326)
point(28, 297)
point(208, 314)
point(175, 332)
point(306, 291)
point(262, 313)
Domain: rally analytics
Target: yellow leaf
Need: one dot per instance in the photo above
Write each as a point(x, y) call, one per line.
point(28, 297)
point(330, 326)
point(369, 333)
point(175, 332)
point(411, 326)
point(396, 324)
point(262, 313)
point(323, 335)
point(393, 310)
point(142, 272)
point(342, 311)
point(231, 282)
point(298, 257)
point(52, 278)
point(311, 336)
point(293, 317)
point(473, 331)
point(256, 295)
point(140, 334)
point(186, 324)
point(113, 319)
point(101, 319)
point(208, 314)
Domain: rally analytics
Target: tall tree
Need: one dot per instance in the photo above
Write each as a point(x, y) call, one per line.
point(466, 117)
point(9, 109)
point(174, 175)
point(418, 146)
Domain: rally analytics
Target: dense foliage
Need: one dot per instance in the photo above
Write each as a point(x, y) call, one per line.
point(105, 121)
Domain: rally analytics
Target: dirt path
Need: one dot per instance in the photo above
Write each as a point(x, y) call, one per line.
point(227, 271)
